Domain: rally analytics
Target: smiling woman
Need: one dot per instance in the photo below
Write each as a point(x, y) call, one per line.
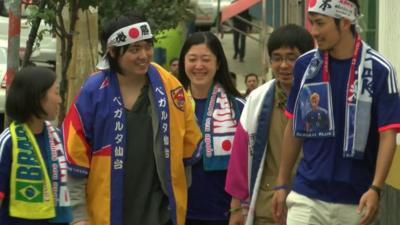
point(203, 70)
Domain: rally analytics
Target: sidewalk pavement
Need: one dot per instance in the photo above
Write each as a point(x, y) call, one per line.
point(252, 60)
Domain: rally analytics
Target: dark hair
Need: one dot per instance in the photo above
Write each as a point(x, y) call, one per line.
point(222, 75)
point(233, 75)
point(28, 88)
point(250, 75)
point(357, 5)
point(292, 36)
point(173, 60)
point(114, 25)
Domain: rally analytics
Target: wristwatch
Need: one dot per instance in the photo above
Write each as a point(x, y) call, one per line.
point(377, 189)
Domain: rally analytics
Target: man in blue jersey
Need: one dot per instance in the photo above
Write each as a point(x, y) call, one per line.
point(343, 169)
point(317, 118)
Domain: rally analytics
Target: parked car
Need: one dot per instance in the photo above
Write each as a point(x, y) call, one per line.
point(206, 13)
point(45, 52)
point(3, 69)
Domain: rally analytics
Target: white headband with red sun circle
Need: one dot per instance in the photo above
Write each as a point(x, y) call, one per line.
point(335, 8)
point(130, 34)
point(124, 36)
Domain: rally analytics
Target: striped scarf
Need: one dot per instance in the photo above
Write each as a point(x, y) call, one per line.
point(34, 187)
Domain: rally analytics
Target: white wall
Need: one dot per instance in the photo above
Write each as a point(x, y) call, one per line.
point(389, 46)
point(389, 31)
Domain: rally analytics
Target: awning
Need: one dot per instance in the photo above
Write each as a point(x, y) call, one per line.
point(236, 8)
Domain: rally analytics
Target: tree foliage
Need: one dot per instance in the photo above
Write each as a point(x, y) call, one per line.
point(161, 14)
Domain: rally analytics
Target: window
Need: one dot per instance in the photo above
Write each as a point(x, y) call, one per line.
point(369, 22)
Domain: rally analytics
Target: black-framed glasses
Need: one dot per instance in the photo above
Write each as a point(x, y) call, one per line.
point(290, 59)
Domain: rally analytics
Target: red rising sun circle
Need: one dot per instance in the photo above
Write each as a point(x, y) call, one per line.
point(226, 145)
point(312, 3)
point(134, 33)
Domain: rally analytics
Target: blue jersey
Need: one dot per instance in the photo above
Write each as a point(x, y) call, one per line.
point(207, 199)
point(323, 172)
point(5, 171)
point(317, 120)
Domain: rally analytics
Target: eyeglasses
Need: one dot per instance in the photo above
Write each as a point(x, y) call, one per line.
point(288, 59)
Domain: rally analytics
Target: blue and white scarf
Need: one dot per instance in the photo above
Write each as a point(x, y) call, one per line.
point(59, 178)
point(219, 127)
point(358, 103)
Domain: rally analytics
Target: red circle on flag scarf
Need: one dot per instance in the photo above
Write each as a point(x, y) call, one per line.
point(134, 33)
point(226, 145)
point(312, 3)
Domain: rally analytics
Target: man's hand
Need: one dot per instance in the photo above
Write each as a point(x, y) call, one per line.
point(368, 206)
point(237, 218)
point(279, 209)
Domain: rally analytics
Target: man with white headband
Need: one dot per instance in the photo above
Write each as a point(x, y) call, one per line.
point(344, 164)
point(127, 135)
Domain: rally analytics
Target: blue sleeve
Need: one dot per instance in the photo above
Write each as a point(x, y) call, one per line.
point(5, 162)
point(387, 98)
point(85, 109)
point(239, 106)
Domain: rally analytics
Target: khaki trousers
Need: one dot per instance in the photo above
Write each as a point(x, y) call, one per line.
point(306, 211)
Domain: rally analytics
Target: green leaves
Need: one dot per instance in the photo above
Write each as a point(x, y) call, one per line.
point(85, 4)
point(46, 14)
point(161, 14)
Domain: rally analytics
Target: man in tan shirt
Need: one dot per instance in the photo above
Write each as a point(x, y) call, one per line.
point(255, 158)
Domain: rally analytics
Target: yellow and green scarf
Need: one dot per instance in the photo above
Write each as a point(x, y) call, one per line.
point(31, 187)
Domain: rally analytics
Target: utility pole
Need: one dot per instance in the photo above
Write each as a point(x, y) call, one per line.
point(218, 12)
point(220, 27)
point(14, 30)
point(263, 39)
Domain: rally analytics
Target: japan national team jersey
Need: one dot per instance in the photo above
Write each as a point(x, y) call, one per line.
point(323, 172)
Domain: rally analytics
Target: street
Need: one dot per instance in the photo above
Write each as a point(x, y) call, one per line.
point(252, 60)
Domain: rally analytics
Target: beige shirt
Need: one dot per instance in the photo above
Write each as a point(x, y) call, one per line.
point(271, 166)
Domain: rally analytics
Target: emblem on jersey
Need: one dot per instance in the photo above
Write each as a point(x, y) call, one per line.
point(105, 83)
point(178, 97)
